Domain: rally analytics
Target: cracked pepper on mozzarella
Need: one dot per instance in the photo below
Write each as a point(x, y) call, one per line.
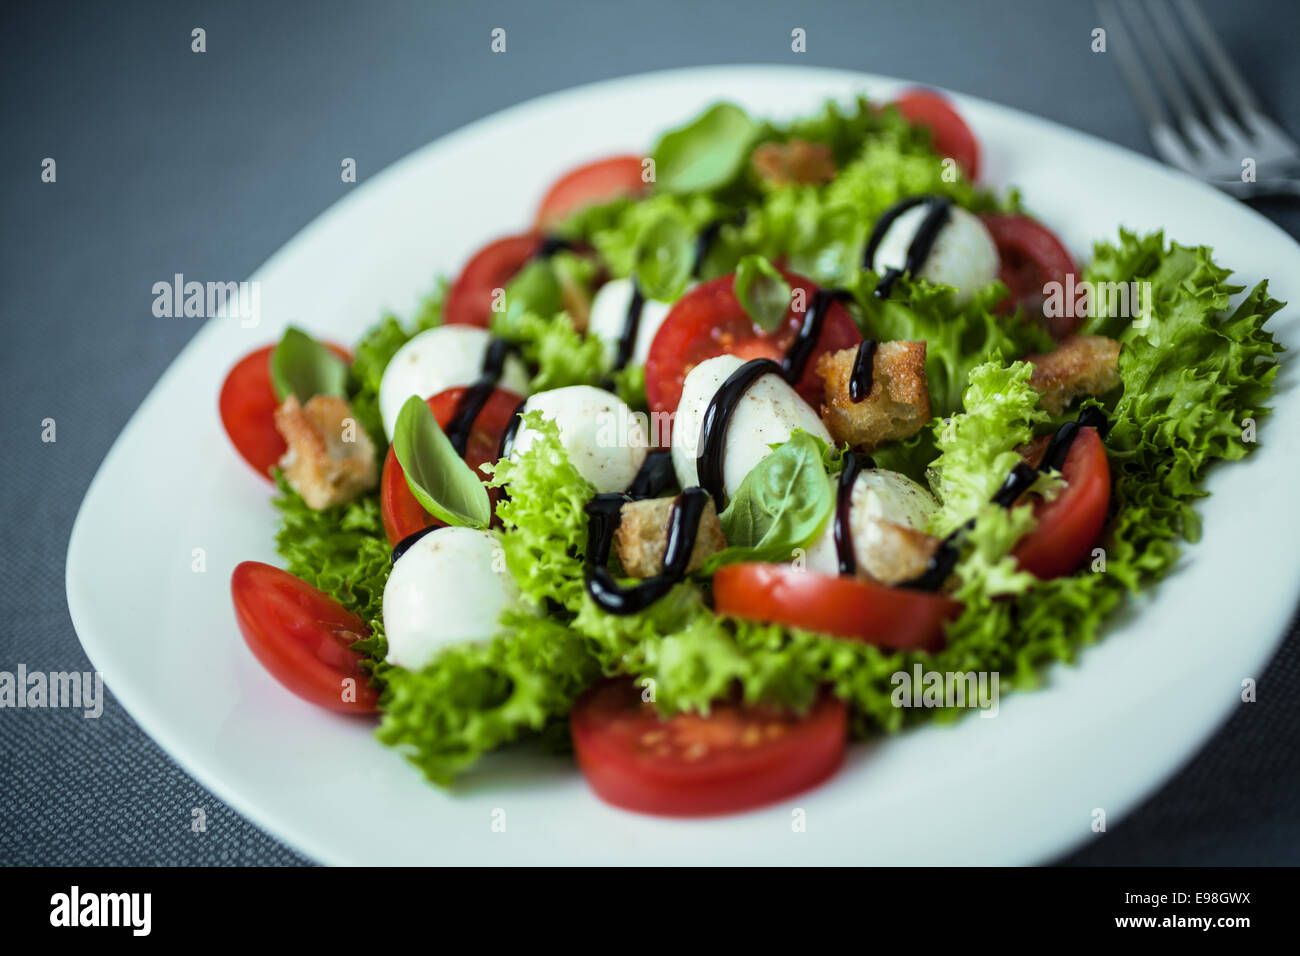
point(450, 586)
point(767, 414)
point(439, 359)
point(609, 317)
point(878, 496)
point(605, 440)
point(963, 255)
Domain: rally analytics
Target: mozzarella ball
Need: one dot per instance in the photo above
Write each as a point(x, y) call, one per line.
point(605, 440)
point(439, 359)
point(450, 586)
point(767, 414)
point(877, 495)
point(609, 317)
point(963, 255)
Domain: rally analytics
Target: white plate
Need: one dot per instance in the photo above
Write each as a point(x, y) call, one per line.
point(1019, 788)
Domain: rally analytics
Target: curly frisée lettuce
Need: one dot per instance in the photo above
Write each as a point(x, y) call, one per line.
point(977, 448)
point(475, 697)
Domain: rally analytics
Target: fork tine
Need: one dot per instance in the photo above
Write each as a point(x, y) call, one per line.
point(1147, 40)
point(1239, 94)
point(1188, 65)
point(1149, 104)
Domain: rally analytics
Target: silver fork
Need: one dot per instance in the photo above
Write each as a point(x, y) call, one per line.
point(1215, 132)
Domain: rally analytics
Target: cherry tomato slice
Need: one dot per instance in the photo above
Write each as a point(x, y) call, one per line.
point(470, 300)
point(248, 403)
point(1032, 257)
point(893, 618)
point(695, 765)
point(401, 513)
point(592, 184)
point(303, 637)
point(1070, 524)
point(952, 138)
point(709, 321)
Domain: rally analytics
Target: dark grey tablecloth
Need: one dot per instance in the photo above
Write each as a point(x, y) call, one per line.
point(170, 161)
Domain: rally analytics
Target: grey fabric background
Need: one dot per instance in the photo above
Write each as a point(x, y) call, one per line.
point(171, 161)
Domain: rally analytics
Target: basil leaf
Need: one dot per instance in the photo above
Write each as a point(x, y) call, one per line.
point(782, 504)
point(439, 479)
point(303, 367)
point(707, 152)
point(663, 257)
point(762, 292)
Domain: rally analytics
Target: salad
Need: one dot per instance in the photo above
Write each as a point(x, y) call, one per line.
point(681, 478)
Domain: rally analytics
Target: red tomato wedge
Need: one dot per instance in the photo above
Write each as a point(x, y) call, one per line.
point(951, 136)
point(893, 618)
point(303, 637)
point(1032, 257)
point(1070, 524)
point(401, 513)
point(710, 321)
point(248, 403)
point(694, 765)
point(470, 300)
point(593, 184)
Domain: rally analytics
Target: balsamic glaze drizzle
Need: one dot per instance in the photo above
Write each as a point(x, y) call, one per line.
point(683, 527)
point(922, 242)
point(1022, 476)
point(713, 426)
point(512, 429)
point(405, 544)
point(805, 340)
point(860, 379)
point(473, 399)
point(631, 327)
point(843, 528)
point(551, 244)
point(654, 477)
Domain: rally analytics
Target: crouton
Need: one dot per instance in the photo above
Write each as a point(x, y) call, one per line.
point(1081, 365)
point(889, 552)
point(794, 163)
point(642, 536)
point(898, 405)
point(331, 459)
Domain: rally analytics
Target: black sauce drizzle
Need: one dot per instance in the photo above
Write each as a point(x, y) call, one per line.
point(631, 327)
point(922, 242)
point(683, 528)
point(550, 245)
point(1022, 476)
point(405, 544)
point(861, 378)
point(717, 415)
point(843, 528)
point(473, 399)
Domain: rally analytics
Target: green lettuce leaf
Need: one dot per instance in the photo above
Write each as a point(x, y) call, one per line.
point(977, 448)
point(475, 697)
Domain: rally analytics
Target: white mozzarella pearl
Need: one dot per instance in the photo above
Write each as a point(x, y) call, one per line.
point(604, 439)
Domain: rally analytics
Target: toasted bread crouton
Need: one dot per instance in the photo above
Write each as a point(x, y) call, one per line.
point(642, 536)
point(794, 163)
point(331, 459)
point(889, 552)
point(898, 405)
point(1081, 365)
